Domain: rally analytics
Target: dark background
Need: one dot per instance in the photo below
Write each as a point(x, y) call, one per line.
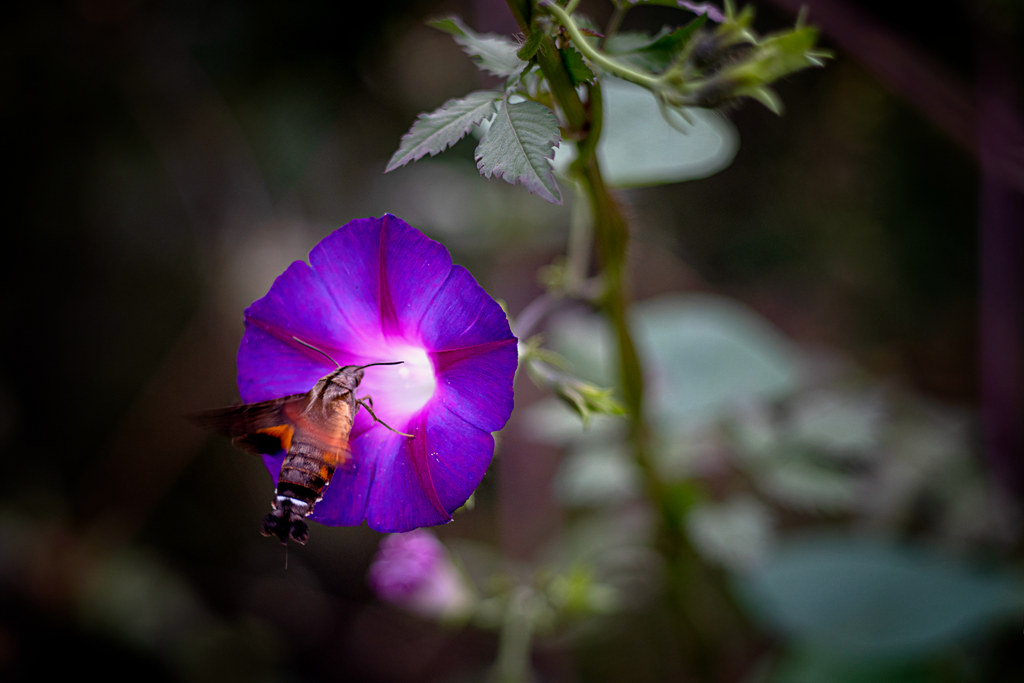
point(167, 160)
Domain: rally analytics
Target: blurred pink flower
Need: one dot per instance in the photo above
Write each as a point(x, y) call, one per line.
point(413, 570)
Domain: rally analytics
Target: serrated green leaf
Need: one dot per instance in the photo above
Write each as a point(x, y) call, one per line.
point(519, 147)
point(673, 42)
point(577, 68)
point(440, 129)
point(656, 53)
point(784, 53)
point(491, 52)
point(775, 57)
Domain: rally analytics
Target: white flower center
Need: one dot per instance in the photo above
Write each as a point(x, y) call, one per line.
point(400, 391)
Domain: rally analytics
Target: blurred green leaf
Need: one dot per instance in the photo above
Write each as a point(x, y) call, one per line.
point(548, 370)
point(808, 665)
point(835, 421)
point(612, 543)
point(705, 354)
point(597, 473)
point(519, 146)
point(736, 533)
point(802, 481)
point(860, 597)
point(585, 341)
point(638, 147)
point(753, 433)
point(653, 53)
point(551, 421)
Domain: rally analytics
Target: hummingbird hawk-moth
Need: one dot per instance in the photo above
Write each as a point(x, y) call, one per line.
point(312, 428)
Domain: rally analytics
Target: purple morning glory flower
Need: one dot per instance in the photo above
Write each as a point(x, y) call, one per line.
point(378, 290)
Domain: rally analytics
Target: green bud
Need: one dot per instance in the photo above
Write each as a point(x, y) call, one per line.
point(547, 369)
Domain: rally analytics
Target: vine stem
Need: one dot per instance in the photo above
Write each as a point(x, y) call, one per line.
point(516, 635)
point(698, 599)
point(602, 60)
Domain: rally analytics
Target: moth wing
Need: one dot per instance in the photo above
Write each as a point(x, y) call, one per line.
point(331, 437)
point(260, 428)
point(339, 456)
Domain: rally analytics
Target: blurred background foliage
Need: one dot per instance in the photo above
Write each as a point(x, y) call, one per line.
point(828, 308)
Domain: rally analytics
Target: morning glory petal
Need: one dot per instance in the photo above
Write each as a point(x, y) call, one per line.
point(463, 315)
point(270, 368)
point(431, 475)
point(473, 382)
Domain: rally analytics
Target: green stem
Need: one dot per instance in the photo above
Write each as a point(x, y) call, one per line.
point(697, 595)
point(515, 638)
point(600, 59)
point(698, 598)
point(579, 247)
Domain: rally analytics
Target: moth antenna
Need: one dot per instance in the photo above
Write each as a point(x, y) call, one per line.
point(320, 351)
point(330, 358)
point(365, 403)
point(370, 365)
